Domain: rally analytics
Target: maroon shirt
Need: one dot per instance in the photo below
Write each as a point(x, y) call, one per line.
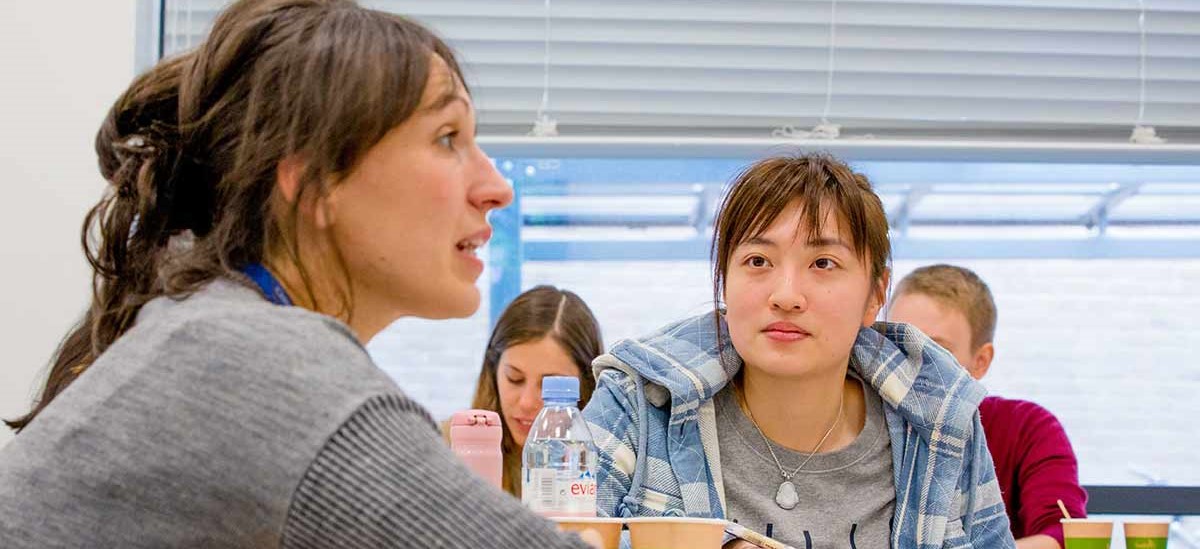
point(1035, 466)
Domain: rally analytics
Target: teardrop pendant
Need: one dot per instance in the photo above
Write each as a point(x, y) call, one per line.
point(787, 497)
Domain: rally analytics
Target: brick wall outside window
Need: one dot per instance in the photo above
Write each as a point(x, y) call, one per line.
point(1109, 346)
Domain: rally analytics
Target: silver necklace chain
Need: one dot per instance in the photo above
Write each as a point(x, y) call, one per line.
point(782, 471)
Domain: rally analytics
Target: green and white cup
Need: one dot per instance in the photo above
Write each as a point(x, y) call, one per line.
point(1087, 533)
point(1146, 535)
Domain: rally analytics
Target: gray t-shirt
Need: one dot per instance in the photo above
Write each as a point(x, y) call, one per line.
point(221, 420)
point(846, 496)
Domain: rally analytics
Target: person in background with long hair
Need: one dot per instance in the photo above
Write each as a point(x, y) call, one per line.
point(279, 195)
point(545, 331)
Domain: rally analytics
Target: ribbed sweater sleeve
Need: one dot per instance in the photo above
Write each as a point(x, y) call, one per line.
point(386, 479)
point(1035, 466)
point(1048, 473)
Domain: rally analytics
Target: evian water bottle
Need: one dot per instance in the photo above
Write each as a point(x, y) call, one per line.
point(558, 473)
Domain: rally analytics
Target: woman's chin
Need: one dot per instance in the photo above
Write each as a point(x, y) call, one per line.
point(461, 303)
point(467, 302)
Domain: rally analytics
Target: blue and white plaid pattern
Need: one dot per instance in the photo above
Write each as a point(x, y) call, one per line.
point(653, 421)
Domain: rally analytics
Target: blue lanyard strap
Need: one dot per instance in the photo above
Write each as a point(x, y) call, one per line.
point(270, 286)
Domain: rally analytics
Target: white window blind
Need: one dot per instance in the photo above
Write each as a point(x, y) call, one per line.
point(1042, 69)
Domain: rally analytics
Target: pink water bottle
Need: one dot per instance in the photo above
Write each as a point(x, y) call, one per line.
point(475, 438)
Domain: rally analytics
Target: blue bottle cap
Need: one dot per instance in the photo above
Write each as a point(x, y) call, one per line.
point(560, 388)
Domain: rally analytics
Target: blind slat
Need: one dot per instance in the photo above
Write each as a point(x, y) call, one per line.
point(711, 67)
point(813, 35)
point(933, 14)
point(696, 61)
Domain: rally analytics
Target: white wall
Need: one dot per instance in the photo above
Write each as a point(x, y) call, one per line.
point(61, 66)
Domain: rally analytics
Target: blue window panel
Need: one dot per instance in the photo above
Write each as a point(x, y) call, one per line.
point(1161, 209)
point(618, 209)
point(1006, 208)
point(505, 254)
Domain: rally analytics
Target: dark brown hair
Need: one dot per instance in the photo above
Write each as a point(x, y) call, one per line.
point(543, 311)
point(960, 289)
point(191, 150)
point(820, 183)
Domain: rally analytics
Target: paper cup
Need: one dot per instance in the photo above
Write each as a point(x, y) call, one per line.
point(1147, 534)
point(676, 533)
point(609, 529)
point(1087, 533)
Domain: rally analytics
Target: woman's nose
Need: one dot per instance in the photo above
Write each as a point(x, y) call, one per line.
point(491, 190)
point(788, 295)
point(531, 398)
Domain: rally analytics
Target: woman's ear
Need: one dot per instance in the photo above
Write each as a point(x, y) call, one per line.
point(885, 282)
point(287, 177)
point(878, 298)
point(314, 206)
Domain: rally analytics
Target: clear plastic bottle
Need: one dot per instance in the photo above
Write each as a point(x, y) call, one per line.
point(558, 465)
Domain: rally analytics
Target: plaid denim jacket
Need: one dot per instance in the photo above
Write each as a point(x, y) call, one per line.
point(654, 424)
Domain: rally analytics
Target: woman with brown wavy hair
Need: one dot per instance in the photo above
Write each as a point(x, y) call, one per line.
point(279, 195)
point(543, 332)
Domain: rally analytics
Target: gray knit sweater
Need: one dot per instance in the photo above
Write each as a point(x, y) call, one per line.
point(222, 420)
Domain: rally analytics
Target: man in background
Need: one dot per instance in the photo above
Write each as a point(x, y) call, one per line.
point(1035, 464)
